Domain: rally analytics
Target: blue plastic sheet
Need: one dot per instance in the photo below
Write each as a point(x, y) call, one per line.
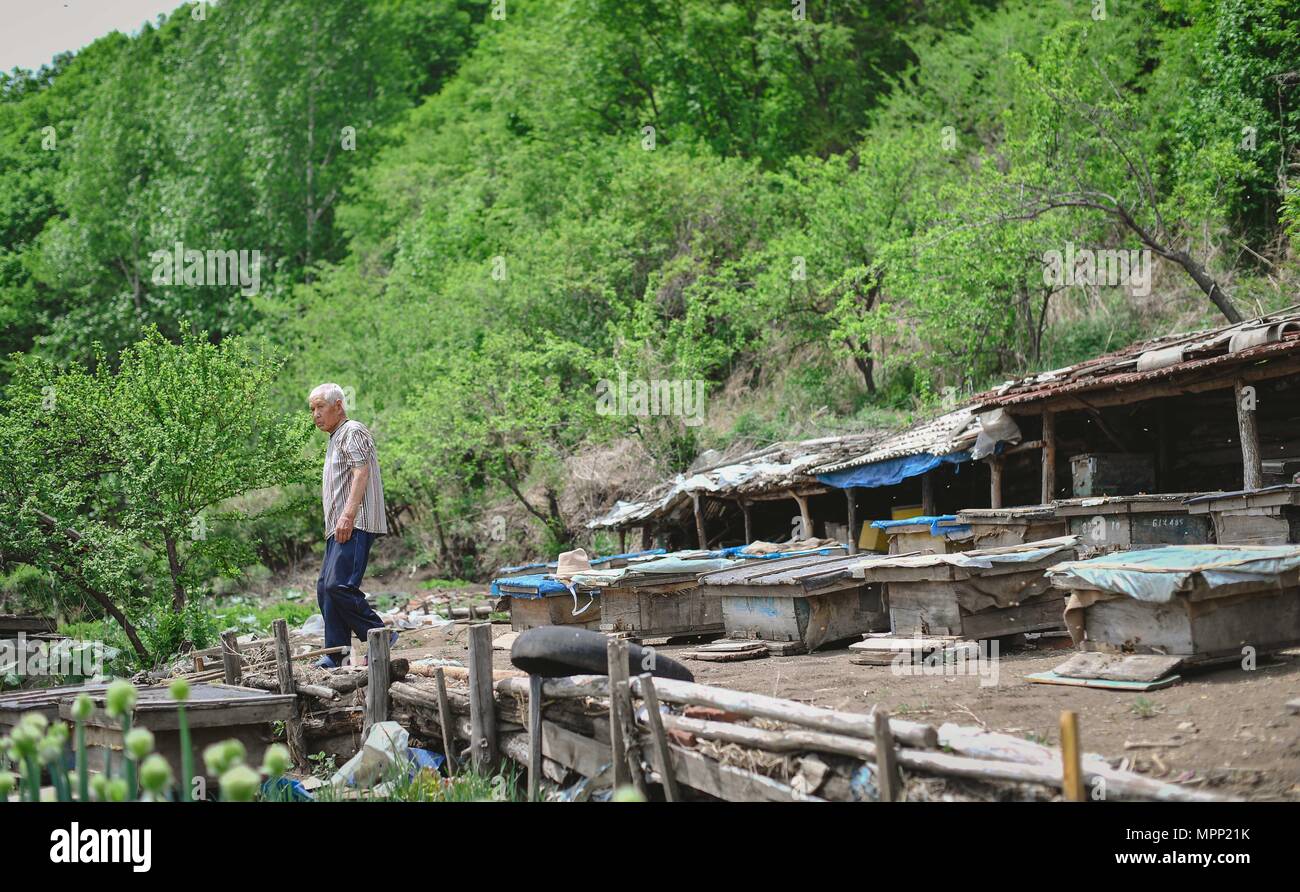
point(891, 471)
point(940, 525)
point(537, 584)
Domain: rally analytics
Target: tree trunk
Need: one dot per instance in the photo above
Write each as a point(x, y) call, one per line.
point(174, 565)
point(74, 538)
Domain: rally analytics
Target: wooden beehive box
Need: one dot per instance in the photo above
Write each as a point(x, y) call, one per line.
point(810, 600)
point(1118, 523)
point(1112, 474)
point(1000, 527)
point(215, 712)
point(984, 593)
point(1269, 516)
point(660, 610)
point(1197, 602)
point(922, 535)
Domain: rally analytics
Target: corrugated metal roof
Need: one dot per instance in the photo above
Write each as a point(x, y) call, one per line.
point(1166, 357)
point(780, 466)
point(944, 435)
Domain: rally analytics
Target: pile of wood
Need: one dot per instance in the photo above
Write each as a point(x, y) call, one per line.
point(679, 740)
point(682, 740)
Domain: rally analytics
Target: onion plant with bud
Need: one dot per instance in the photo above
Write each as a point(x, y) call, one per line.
point(82, 708)
point(180, 691)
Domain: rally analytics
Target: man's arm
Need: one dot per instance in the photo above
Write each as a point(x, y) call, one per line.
point(343, 531)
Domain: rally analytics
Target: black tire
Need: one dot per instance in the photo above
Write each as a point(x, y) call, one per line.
point(558, 652)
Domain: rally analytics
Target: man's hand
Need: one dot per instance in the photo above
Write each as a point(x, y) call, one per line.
point(343, 530)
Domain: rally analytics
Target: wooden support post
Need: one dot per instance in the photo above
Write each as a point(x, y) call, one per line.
point(888, 779)
point(1049, 457)
point(699, 521)
point(804, 514)
point(444, 719)
point(293, 732)
point(377, 680)
point(482, 703)
point(647, 538)
point(623, 693)
point(995, 481)
point(1071, 765)
point(927, 495)
point(616, 654)
point(1162, 448)
point(851, 498)
point(1252, 469)
point(534, 737)
point(663, 759)
point(622, 540)
point(231, 661)
point(749, 526)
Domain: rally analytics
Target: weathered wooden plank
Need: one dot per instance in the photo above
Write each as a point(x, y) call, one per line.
point(482, 705)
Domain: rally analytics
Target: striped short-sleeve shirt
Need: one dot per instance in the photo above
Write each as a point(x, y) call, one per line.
point(351, 446)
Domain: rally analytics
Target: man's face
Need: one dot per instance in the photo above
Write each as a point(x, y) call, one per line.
point(326, 415)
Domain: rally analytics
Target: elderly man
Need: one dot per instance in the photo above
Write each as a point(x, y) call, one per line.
point(352, 495)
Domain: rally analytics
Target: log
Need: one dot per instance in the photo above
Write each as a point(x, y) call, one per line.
point(460, 672)
point(230, 658)
point(663, 759)
point(785, 741)
point(992, 745)
point(888, 780)
point(995, 481)
point(1248, 427)
point(482, 704)
point(320, 693)
point(284, 670)
point(534, 737)
point(850, 498)
point(616, 653)
point(444, 720)
point(670, 690)
point(377, 678)
point(759, 705)
point(1049, 458)
point(627, 717)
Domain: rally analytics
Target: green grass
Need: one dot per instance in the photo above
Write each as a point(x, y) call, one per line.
point(1143, 708)
point(445, 583)
point(430, 786)
point(256, 618)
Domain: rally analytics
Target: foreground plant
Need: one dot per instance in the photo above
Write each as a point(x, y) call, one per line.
point(180, 691)
point(82, 708)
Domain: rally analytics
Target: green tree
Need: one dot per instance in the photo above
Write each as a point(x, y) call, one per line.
point(118, 478)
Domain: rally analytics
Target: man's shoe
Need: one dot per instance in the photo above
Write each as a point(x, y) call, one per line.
point(325, 663)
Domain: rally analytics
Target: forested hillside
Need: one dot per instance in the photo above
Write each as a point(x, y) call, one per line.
point(837, 215)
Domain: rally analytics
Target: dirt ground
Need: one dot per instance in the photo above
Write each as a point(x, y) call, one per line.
point(1225, 729)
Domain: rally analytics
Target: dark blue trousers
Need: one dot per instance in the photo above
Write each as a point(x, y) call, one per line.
point(338, 591)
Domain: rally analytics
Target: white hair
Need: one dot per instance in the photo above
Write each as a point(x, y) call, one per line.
point(330, 393)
